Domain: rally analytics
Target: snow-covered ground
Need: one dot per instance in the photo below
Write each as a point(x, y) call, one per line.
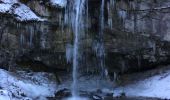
point(156, 86)
point(19, 10)
point(61, 3)
point(32, 86)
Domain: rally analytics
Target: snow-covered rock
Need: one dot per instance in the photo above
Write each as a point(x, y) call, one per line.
point(20, 11)
point(4, 95)
point(5, 7)
point(9, 1)
point(24, 13)
point(20, 87)
point(156, 86)
point(60, 3)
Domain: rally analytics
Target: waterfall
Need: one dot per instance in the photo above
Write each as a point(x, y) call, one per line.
point(110, 5)
point(74, 17)
point(99, 48)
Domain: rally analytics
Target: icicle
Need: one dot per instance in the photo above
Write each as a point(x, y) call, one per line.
point(122, 14)
point(110, 6)
point(69, 53)
point(99, 45)
point(42, 37)
point(30, 29)
point(22, 39)
point(115, 76)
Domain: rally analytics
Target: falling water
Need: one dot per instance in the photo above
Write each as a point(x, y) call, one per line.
point(102, 17)
point(74, 16)
point(77, 28)
point(110, 5)
point(100, 51)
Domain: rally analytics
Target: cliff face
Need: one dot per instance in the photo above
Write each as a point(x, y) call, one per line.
point(34, 33)
point(143, 32)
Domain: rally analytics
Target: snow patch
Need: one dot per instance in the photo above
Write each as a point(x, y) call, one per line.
point(24, 13)
point(157, 86)
point(9, 1)
point(4, 95)
point(17, 88)
point(5, 7)
point(61, 3)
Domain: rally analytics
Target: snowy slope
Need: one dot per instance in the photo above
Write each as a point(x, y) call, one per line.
point(17, 88)
point(20, 11)
point(157, 86)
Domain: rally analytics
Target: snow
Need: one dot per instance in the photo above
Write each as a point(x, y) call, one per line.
point(4, 95)
point(5, 7)
point(20, 11)
point(9, 1)
point(61, 3)
point(24, 13)
point(157, 86)
point(17, 88)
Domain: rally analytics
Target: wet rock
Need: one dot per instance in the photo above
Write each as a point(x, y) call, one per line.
point(9, 40)
point(39, 7)
point(96, 97)
point(63, 93)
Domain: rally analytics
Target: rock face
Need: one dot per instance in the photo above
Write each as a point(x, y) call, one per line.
point(142, 37)
point(136, 34)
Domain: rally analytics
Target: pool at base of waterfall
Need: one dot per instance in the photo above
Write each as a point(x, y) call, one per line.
point(76, 98)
